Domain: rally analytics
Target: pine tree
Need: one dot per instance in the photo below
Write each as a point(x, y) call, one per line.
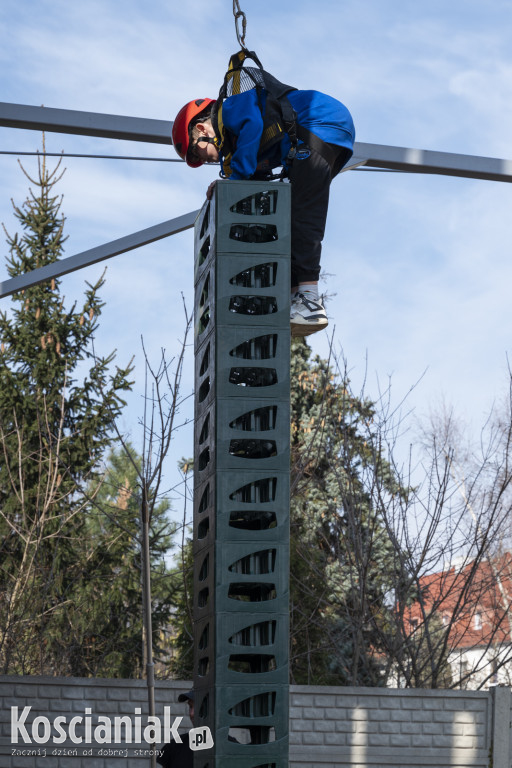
point(342, 561)
point(182, 664)
point(58, 403)
point(108, 636)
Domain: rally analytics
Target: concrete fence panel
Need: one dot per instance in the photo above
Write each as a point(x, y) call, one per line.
point(330, 727)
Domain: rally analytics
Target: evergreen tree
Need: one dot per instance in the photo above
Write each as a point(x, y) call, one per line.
point(58, 403)
point(342, 562)
point(108, 636)
point(182, 663)
point(343, 566)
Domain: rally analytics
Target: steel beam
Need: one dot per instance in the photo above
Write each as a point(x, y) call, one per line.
point(428, 161)
point(159, 132)
point(100, 253)
point(85, 123)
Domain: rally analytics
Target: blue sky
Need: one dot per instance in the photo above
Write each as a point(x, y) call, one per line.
point(420, 265)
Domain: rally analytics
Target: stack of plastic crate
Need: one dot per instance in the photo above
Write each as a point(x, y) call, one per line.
point(241, 474)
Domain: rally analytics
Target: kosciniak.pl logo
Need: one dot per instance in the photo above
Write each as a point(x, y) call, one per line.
point(102, 729)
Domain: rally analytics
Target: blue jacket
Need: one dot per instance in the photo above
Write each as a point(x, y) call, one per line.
point(323, 115)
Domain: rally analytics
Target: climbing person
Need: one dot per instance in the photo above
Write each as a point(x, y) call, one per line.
point(258, 124)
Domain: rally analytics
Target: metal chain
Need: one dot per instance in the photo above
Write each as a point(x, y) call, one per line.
point(239, 14)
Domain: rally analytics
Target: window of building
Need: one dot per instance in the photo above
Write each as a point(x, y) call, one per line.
point(464, 669)
point(477, 620)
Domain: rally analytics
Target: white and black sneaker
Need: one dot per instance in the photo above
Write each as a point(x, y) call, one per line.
point(306, 315)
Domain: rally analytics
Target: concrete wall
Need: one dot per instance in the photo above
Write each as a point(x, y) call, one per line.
point(329, 727)
point(409, 728)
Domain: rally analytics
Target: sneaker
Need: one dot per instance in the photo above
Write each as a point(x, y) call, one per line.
point(307, 316)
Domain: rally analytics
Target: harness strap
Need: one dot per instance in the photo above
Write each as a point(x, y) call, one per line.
point(290, 120)
point(314, 142)
point(223, 144)
point(280, 117)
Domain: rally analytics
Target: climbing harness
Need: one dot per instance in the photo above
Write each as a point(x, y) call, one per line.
point(279, 118)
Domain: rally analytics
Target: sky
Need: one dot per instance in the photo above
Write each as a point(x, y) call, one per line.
point(418, 267)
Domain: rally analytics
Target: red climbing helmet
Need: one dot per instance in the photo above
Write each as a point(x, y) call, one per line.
point(180, 135)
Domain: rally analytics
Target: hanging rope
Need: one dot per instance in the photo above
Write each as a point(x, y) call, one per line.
point(239, 14)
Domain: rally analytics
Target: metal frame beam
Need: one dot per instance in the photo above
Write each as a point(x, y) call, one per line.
point(428, 161)
point(85, 123)
point(159, 132)
point(100, 253)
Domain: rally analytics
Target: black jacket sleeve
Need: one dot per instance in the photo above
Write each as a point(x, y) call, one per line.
point(175, 755)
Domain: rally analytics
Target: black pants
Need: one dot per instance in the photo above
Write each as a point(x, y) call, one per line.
point(310, 180)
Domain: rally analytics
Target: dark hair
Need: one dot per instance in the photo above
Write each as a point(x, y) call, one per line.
point(206, 114)
point(193, 133)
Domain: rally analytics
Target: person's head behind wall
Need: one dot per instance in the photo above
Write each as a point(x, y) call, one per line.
point(189, 698)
